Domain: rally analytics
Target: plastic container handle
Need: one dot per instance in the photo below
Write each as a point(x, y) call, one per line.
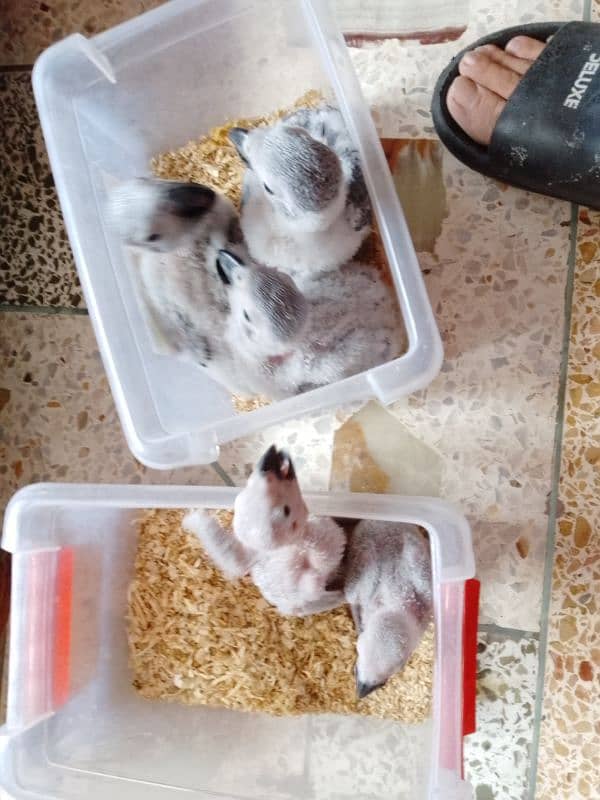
point(40, 634)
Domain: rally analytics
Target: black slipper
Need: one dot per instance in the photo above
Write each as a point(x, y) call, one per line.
point(547, 138)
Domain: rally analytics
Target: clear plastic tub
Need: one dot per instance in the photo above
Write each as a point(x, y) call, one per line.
point(110, 103)
point(77, 729)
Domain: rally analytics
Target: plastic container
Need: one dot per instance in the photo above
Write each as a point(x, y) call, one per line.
point(110, 103)
point(77, 729)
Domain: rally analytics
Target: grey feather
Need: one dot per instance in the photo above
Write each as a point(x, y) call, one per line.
point(173, 232)
point(388, 586)
point(289, 340)
point(305, 207)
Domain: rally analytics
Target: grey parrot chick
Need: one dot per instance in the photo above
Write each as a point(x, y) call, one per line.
point(162, 216)
point(342, 323)
point(387, 582)
point(305, 205)
point(290, 555)
point(173, 232)
point(268, 312)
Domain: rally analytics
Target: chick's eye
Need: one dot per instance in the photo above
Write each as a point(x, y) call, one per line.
point(154, 237)
point(267, 189)
point(246, 317)
point(286, 511)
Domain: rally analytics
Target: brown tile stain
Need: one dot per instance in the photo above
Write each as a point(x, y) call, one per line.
point(440, 36)
point(593, 389)
point(4, 397)
point(352, 466)
point(416, 167)
point(567, 628)
point(522, 545)
point(588, 250)
point(559, 671)
point(592, 455)
point(582, 532)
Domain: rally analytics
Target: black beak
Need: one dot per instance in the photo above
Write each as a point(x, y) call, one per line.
point(365, 689)
point(277, 462)
point(227, 263)
point(237, 136)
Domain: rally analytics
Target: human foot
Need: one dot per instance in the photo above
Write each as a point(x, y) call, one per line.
point(488, 77)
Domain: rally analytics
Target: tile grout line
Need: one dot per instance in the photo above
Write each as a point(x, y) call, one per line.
point(16, 67)
point(509, 633)
point(222, 473)
point(553, 511)
point(587, 11)
point(67, 311)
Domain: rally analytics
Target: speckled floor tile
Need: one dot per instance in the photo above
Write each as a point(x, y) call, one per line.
point(309, 439)
point(57, 417)
point(569, 757)
point(373, 452)
point(497, 755)
point(29, 26)
point(496, 278)
point(36, 266)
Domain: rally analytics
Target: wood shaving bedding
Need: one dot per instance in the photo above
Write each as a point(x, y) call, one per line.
point(198, 639)
point(245, 404)
point(213, 160)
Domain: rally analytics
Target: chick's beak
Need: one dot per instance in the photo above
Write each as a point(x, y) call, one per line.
point(278, 462)
point(364, 689)
point(270, 462)
point(237, 136)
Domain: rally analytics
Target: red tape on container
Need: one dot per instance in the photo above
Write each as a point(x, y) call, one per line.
point(63, 598)
point(471, 618)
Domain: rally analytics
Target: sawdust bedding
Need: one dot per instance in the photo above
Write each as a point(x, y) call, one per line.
point(198, 639)
point(214, 161)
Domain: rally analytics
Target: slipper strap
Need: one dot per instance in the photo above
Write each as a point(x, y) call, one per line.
point(547, 138)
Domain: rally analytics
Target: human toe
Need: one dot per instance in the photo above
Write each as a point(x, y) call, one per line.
point(475, 108)
point(481, 68)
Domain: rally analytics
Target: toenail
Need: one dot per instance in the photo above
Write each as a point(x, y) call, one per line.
point(469, 59)
point(463, 92)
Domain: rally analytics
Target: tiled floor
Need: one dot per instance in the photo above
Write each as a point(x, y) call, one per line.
point(36, 266)
point(569, 762)
point(483, 434)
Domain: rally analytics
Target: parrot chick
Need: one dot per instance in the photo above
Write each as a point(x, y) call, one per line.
point(305, 205)
point(291, 341)
point(387, 583)
point(290, 555)
point(174, 232)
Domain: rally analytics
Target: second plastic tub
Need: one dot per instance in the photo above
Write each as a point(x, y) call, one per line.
point(77, 729)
